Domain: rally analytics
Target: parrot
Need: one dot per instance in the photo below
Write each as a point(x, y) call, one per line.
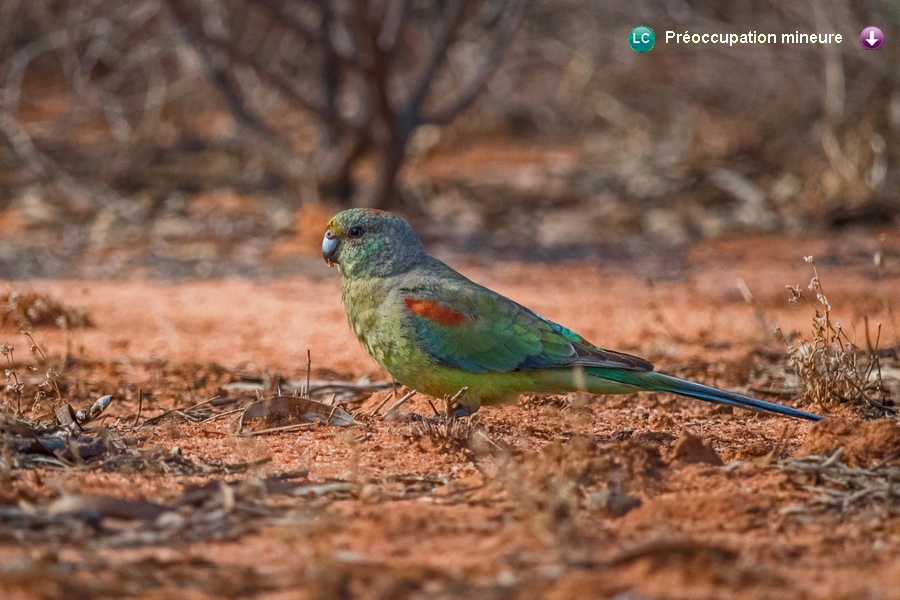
point(436, 331)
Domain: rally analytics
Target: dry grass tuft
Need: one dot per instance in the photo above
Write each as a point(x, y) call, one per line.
point(831, 367)
point(46, 393)
point(26, 310)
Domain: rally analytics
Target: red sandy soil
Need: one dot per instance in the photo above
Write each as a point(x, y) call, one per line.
point(532, 516)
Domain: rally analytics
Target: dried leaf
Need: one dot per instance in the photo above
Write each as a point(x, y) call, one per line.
point(287, 411)
point(99, 406)
point(323, 489)
point(97, 505)
point(65, 417)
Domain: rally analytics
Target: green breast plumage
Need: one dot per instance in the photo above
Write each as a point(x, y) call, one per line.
point(377, 319)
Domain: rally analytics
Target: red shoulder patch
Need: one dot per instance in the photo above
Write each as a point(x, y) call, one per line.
point(434, 311)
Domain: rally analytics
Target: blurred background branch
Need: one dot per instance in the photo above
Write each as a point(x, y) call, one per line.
point(365, 71)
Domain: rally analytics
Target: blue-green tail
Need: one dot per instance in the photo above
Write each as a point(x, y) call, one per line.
point(660, 382)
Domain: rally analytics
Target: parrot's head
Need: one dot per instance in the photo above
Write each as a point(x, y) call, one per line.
point(365, 242)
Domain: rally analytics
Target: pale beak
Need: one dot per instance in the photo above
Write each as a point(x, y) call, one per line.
point(330, 248)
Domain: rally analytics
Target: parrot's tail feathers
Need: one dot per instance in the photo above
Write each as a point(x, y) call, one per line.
point(654, 380)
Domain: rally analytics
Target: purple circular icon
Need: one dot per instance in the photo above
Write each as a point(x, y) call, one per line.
point(871, 38)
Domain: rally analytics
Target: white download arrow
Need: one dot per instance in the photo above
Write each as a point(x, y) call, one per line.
point(872, 39)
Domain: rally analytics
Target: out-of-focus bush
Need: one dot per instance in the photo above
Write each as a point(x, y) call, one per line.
point(537, 125)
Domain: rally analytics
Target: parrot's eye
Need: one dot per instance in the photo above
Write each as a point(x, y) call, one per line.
point(356, 232)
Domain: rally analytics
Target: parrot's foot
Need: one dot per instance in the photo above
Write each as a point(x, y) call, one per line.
point(462, 411)
point(454, 409)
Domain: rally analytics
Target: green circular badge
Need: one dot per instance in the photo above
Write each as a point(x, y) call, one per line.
point(641, 39)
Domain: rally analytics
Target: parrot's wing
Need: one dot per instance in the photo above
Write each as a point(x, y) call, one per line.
point(462, 324)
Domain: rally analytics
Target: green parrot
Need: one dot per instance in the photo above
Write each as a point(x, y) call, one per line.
point(435, 331)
